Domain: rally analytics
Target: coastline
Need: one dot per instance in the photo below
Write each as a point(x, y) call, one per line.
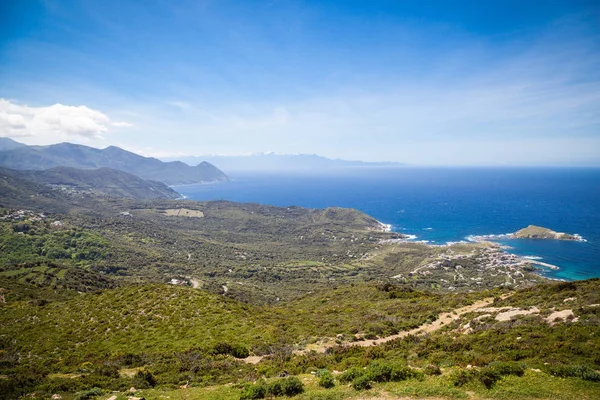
point(498, 254)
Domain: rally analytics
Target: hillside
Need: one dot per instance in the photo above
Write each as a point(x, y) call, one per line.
point(185, 335)
point(79, 156)
point(102, 181)
point(16, 192)
point(101, 294)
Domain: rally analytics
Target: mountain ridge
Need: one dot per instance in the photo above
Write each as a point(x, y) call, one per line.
point(81, 156)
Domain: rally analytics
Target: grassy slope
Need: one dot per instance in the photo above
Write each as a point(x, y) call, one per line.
point(260, 253)
point(172, 326)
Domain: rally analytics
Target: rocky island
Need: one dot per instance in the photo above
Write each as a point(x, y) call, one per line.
point(538, 232)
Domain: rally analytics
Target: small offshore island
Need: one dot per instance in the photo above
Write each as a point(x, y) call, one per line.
point(538, 232)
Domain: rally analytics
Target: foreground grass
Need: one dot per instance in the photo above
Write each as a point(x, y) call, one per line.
point(533, 385)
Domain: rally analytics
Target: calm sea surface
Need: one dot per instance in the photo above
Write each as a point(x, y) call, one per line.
point(446, 205)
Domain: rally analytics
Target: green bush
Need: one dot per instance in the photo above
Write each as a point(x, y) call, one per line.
point(88, 394)
point(401, 373)
point(275, 388)
point(144, 379)
point(431, 369)
point(240, 351)
point(351, 374)
point(379, 371)
point(327, 380)
point(461, 377)
point(292, 386)
point(508, 368)
point(222, 348)
point(578, 371)
point(362, 382)
point(254, 391)
point(488, 376)
point(111, 371)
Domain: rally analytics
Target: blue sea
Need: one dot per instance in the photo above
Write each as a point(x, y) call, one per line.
point(443, 205)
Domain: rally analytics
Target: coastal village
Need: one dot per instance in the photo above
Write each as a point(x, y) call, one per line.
point(472, 266)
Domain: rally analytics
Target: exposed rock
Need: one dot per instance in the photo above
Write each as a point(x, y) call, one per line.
point(564, 315)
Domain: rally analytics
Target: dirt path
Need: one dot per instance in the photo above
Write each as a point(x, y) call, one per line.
point(443, 320)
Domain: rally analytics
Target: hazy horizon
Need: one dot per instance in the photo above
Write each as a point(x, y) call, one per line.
point(439, 83)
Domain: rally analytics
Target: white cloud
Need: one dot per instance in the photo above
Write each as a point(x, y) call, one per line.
point(122, 124)
point(51, 124)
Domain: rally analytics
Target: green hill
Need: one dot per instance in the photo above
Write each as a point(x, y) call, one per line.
point(183, 334)
point(79, 156)
point(102, 181)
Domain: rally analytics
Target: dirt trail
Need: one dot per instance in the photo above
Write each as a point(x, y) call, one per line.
point(443, 320)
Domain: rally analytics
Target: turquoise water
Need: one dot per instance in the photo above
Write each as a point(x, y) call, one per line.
point(446, 205)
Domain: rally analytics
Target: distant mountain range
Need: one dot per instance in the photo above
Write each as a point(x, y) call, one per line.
point(9, 144)
point(103, 181)
point(18, 156)
point(281, 162)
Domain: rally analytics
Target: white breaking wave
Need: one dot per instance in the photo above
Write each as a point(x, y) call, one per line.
point(483, 238)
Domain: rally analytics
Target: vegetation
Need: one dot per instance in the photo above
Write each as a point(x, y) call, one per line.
point(538, 232)
point(269, 302)
point(102, 181)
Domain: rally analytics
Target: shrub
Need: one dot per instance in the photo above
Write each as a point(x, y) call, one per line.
point(379, 371)
point(351, 374)
point(292, 386)
point(240, 351)
point(327, 380)
point(254, 391)
point(88, 394)
point(431, 369)
point(488, 376)
point(108, 370)
point(401, 373)
point(508, 368)
point(461, 377)
point(222, 348)
point(579, 371)
point(362, 382)
point(144, 379)
point(275, 388)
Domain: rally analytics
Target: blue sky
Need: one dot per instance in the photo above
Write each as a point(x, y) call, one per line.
point(423, 82)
